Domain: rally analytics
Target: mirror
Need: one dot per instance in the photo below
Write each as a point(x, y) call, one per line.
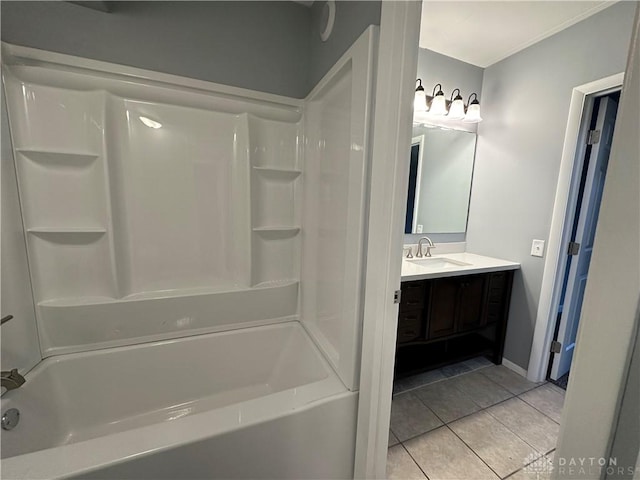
point(439, 180)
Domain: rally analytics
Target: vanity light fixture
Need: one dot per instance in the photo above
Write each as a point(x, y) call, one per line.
point(439, 103)
point(473, 110)
point(456, 109)
point(425, 106)
point(420, 98)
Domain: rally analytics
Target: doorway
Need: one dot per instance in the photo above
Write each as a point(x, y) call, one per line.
point(598, 126)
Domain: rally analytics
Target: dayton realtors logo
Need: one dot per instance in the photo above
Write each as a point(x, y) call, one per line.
point(593, 466)
point(540, 466)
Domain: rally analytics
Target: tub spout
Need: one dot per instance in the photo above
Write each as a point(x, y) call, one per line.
point(12, 379)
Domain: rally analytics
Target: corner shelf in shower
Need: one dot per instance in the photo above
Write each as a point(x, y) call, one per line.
point(57, 158)
point(67, 230)
point(277, 231)
point(68, 235)
point(278, 173)
point(276, 283)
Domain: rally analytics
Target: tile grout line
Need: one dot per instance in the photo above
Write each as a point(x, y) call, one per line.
point(480, 409)
point(473, 451)
point(440, 380)
point(540, 454)
point(507, 389)
point(414, 461)
point(445, 424)
point(525, 466)
point(535, 385)
point(537, 409)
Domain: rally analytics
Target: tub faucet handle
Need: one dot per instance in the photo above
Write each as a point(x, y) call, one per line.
point(12, 379)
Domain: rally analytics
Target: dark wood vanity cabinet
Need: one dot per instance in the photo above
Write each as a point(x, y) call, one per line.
point(455, 305)
point(448, 319)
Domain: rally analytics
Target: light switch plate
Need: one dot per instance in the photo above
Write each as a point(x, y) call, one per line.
point(419, 228)
point(537, 248)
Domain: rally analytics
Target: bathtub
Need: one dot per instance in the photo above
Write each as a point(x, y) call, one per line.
point(258, 402)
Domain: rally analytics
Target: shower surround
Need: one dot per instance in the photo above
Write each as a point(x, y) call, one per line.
point(159, 208)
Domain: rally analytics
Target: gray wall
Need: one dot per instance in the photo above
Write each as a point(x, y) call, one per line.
point(257, 45)
point(352, 18)
point(269, 46)
point(525, 105)
point(435, 68)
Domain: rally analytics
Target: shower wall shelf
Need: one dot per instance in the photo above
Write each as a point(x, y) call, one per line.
point(286, 174)
point(53, 158)
point(79, 230)
point(275, 196)
point(278, 230)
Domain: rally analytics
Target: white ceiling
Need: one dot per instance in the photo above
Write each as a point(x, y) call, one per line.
point(484, 32)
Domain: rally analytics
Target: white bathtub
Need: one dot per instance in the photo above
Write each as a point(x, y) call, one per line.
point(259, 402)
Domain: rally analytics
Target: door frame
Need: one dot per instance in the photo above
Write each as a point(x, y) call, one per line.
point(580, 212)
point(399, 35)
point(389, 172)
point(567, 187)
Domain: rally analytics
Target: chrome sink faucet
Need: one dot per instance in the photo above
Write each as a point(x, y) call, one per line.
point(430, 245)
point(12, 379)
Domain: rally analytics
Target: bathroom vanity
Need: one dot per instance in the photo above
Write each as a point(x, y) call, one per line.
point(452, 307)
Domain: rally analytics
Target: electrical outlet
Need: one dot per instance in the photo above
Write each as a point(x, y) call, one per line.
point(537, 248)
point(418, 228)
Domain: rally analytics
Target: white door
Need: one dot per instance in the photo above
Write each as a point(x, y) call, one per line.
point(585, 234)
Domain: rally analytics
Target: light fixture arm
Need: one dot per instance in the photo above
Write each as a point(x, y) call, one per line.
point(475, 100)
point(457, 97)
point(439, 87)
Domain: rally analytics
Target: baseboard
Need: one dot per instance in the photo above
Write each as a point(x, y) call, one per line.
point(516, 368)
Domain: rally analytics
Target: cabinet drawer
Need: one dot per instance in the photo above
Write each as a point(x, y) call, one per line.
point(409, 326)
point(412, 295)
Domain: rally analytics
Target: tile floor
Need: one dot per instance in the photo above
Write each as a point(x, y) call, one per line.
point(473, 420)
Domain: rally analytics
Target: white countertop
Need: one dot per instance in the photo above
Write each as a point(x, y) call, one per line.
point(472, 263)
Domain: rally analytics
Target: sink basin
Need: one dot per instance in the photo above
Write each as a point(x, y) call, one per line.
point(438, 263)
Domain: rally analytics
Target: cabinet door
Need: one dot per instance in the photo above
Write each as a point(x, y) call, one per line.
point(470, 304)
point(442, 307)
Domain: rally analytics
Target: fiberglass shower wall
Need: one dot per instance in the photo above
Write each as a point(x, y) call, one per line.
point(157, 206)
